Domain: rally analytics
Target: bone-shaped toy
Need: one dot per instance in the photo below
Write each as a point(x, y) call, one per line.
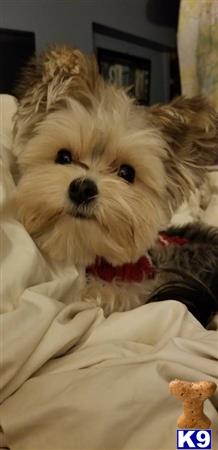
point(193, 396)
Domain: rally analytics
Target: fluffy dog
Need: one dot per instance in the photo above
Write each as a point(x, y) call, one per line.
point(100, 177)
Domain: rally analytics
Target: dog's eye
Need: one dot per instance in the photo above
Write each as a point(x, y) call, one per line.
point(63, 156)
point(127, 172)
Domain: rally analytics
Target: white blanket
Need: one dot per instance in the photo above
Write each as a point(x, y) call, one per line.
point(73, 380)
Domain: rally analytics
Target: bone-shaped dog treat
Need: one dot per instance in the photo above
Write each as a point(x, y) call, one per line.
point(193, 396)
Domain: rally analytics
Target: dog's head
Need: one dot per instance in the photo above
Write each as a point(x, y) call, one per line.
point(99, 175)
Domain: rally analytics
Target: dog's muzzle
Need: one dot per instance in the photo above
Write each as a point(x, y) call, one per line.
point(82, 191)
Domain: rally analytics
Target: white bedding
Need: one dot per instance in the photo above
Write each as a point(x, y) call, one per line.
point(73, 380)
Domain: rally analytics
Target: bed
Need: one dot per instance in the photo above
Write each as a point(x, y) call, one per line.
point(71, 379)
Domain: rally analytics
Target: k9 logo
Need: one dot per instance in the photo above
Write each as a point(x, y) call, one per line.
point(187, 439)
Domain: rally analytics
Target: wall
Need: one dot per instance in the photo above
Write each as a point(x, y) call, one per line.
point(70, 21)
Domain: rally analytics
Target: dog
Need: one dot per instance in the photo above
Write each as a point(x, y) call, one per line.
point(100, 178)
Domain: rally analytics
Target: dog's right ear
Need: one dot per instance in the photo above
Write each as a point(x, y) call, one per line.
point(58, 72)
point(47, 81)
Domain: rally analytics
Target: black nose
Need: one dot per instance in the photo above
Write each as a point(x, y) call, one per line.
point(82, 191)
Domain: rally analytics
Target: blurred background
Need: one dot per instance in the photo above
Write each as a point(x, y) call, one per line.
point(136, 42)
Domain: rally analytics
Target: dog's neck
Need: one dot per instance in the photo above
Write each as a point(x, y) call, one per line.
point(131, 272)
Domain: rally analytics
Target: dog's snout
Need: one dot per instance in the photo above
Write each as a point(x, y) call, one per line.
point(82, 191)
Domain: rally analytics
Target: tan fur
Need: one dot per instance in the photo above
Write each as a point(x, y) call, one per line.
point(64, 103)
point(190, 127)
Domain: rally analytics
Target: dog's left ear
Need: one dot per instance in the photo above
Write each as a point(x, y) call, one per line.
point(189, 127)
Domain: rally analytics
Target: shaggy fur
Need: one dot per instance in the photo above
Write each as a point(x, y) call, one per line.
point(65, 104)
point(191, 270)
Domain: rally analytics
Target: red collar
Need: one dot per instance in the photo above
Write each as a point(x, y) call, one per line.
point(131, 272)
point(143, 268)
point(165, 240)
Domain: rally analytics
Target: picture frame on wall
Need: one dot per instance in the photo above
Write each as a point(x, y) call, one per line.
point(128, 71)
point(16, 49)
